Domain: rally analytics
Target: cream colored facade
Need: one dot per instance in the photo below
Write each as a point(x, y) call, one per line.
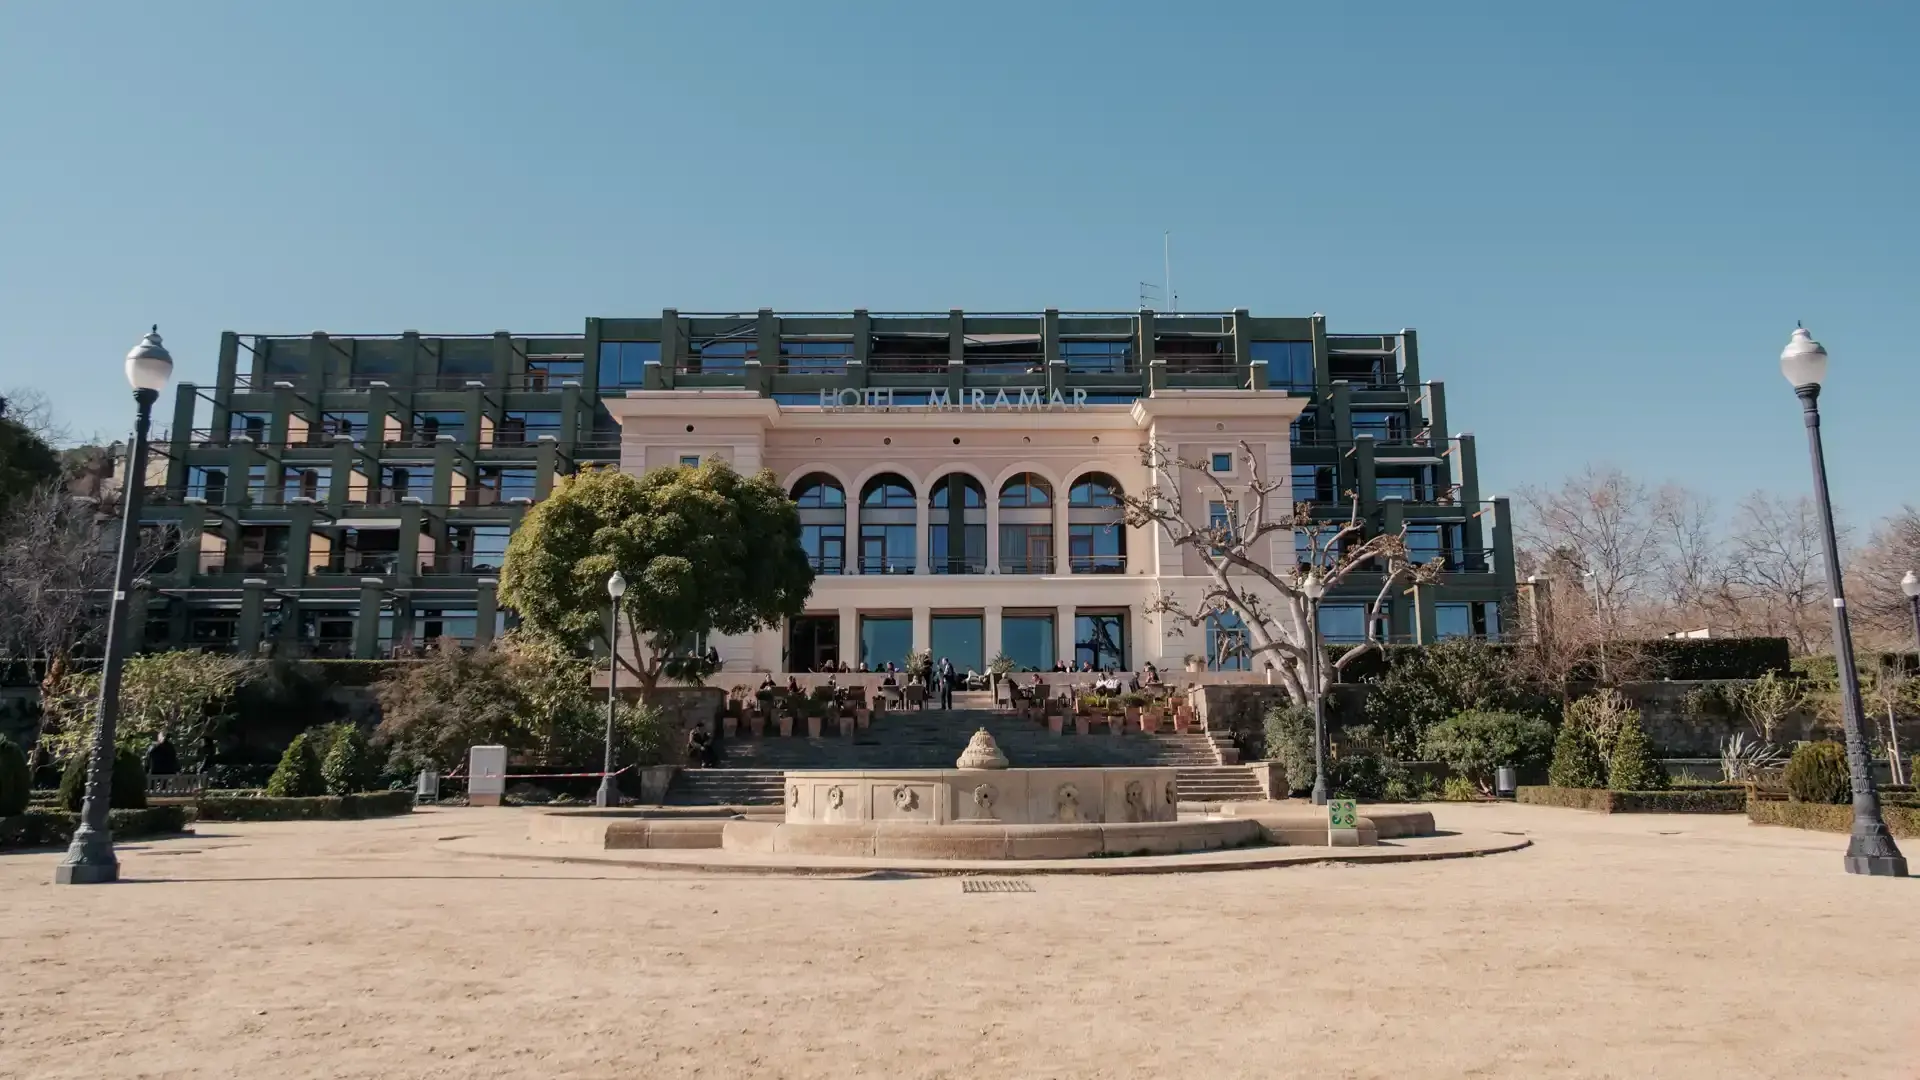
point(1060, 444)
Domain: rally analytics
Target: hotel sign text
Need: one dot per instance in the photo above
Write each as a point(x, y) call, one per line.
point(1031, 398)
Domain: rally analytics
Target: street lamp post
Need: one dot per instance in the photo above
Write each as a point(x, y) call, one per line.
point(1871, 849)
point(608, 795)
point(1911, 586)
point(1315, 587)
point(90, 859)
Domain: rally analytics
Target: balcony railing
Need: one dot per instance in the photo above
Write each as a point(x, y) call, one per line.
point(1042, 564)
point(1464, 561)
point(910, 363)
point(459, 565)
point(1007, 364)
point(826, 564)
point(365, 563)
point(1097, 564)
point(958, 564)
point(1414, 491)
point(898, 565)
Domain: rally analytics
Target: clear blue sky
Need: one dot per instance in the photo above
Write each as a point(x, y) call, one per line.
point(1604, 223)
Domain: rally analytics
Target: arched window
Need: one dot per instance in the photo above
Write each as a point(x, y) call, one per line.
point(957, 541)
point(888, 490)
point(1025, 490)
point(1026, 525)
point(823, 522)
point(1094, 489)
point(818, 491)
point(1096, 526)
point(887, 526)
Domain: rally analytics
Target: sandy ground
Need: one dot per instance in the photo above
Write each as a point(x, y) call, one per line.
point(1614, 947)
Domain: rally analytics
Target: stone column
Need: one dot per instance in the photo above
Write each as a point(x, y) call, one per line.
point(990, 633)
point(850, 635)
point(485, 609)
point(253, 593)
point(922, 628)
point(1063, 633)
point(366, 623)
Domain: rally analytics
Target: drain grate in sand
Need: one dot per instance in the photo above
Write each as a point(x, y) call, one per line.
point(994, 885)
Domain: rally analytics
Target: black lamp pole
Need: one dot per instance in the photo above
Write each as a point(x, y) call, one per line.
point(90, 859)
point(1871, 849)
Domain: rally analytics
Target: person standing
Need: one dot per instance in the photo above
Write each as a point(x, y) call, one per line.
point(946, 683)
point(161, 758)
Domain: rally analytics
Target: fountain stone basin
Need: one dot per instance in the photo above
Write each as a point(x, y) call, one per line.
point(1109, 796)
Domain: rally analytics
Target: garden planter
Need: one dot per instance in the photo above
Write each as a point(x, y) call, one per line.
point(1116, 723)
point(813, 727)
point(1056, 724)
point(848, 725)
point(729, 725)
point(1181, 724)
point(786, 726)
point(1082, 723)
point(1150, 721)
point(863, 718)
point(756, 724)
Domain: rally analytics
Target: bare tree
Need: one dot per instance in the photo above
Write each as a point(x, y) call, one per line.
point(1779, 569)
point(1249, 568)
point(1693, 569)
point(1602, 522)
point(1873, 579)
point(31, 408)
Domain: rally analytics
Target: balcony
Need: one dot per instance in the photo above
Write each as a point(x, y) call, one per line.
point(1097, 564)
point(1463, 561)
point(1028, 565)
point(909, 363)
point(882, 565)
point(827, 564)
point(361, 564)
point(1414, 491)
point(958, 564)
point(457, 565)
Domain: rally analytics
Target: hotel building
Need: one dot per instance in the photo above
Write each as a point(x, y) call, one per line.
point(958, 475)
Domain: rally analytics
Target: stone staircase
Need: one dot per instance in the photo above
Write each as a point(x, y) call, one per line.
point(1219, 784)
point(932, 739)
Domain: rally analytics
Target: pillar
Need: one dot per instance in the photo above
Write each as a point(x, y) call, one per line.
point(1410, 360)
point(253, 594)
point(366, 623)
point(299, 541)
point(850, 635)
point(135, 632)
point(1437, 413)
point(922, 628)
point(990, 630)
point(922, 531)
point(1501, 554)
point(486, 607)
point(409, 565)
point(1363, 476)
point(1063, 643)
point(1061, 563)
point(993, 534)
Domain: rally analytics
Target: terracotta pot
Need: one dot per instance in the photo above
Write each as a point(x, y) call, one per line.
point(1116, 723)
point(847, 724)
point(1055, 723)
point(786, 725)
point(1193, 669)
point(1150, 722)
point(813, 727)
point(1133, 715)
point(729, 725)
point(756, 724)
point(863, 718)
point(1082, 723)
point(1180, 724)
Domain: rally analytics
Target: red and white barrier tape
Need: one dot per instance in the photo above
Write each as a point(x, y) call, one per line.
point(456, 775)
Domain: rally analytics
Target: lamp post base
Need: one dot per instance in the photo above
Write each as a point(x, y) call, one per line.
point(607, 795)
point(1872, 852)
point(1877, 865)
point(95, 874)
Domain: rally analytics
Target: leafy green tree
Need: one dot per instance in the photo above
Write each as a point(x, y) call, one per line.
point(177, 692)
point(1424, 687)
point(1576, 760)
point(1631, 766)
point(703, 549)
point(26, 461)
point(1289, 732)
point(349, 766)
point(1474, 744)
point(298, 775)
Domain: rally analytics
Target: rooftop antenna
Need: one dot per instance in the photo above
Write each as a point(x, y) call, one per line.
point(1173, 298)
point(1149, 300)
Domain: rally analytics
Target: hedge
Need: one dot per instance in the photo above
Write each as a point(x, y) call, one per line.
point(1717, 658)
point(47, 828)
point(1700, 800)
point(320, 808)
point(1902, 821)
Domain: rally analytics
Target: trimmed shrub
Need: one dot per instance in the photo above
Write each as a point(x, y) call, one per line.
point(1818, 773)
point(46, 828)
point(298, 775)
point(16, 780)
point(349, 766)
point(1459, 789)
point(1290, 742)
point(1576, 760)
point(1633, 766)
point(1902, 821)
point(1684, 659)
point(1358, 776)
point(127, 791)
point(318, 808)
point(1722, 799)
point(1474, 744)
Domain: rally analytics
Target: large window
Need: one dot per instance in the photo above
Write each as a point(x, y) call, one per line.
point(1028, 640)
point(1289, 364)
point(1226, 642)
point(1100, 639)
point(1343, 624)
point(1386, 426)
point(429, 426)
point(957, 525)
point(813, 642)
point(1313, 483)
point(624, 363)
point(305, 482)
point(1109, 357)
point(1426, 543)
point(823, 522)
point(816, 357)
point(1096, 528)
point(722, 356)
point(1026, 525)
point(885, 639)
point(887, 525)
point(961, 639)
point(524, 427)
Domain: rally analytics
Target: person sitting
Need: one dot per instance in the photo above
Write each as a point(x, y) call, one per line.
point(1153, 675)
point(713, 658)
point(891, 670)
point(793, 684)
point(890, 680)
point(699, 747)
point(769, 684)
point(862, 669)
point(161, 758)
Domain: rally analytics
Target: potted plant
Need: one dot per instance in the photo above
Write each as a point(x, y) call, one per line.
point(1182, 721)
point(999, 668)
point(785, 720)
point(1055, 722)
point(1133, 702)
point(816, 711)
point(1196, 662)
point(918, 660)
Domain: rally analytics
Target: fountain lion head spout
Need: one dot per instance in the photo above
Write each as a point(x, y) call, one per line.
point(981, 753)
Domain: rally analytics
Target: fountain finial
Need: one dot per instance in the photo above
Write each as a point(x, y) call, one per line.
point(982, 753)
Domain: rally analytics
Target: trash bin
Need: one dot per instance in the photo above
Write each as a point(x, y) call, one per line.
point(426, 787)
point(1503, 781)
